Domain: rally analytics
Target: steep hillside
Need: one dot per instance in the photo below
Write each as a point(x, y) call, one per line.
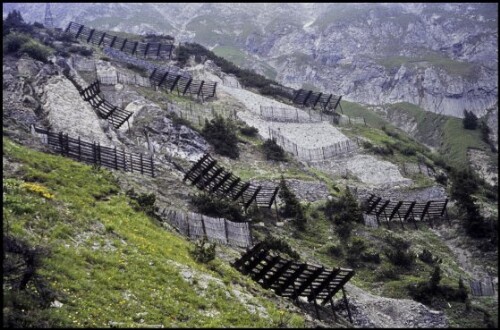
point(116, 258)
point(440, 57)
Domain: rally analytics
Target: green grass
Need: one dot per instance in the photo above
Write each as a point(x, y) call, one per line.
point(352, 109)
point(232, 54)
point(457, 140)
point(453, 138)
point(452, 67)
point(108, 262)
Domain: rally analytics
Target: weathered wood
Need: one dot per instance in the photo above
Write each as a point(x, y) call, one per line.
point(272, 280)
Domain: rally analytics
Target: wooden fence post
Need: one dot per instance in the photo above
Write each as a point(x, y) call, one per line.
point(203, 226)
point(131, 163)
point(79, 150)
point(116, 160)
point(61, 145)
point(142, 170)
point(94, 151)
point(99, 151)
point(152, 166)
point(225, 230)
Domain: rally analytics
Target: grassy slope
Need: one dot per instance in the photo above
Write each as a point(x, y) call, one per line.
point(318, 237)
point(113, 271)
point(455, 139)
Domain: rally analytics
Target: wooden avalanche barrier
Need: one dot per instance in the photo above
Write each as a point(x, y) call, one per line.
point(147, 50)
point(292, 279)
point(219, 230)
point(312, 99)
point(387, 210)
point(206, 175)
point(95, 154)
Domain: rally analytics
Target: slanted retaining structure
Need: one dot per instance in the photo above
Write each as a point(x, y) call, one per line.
point(218, 230)
point(293, 279)
point(117, 116)
point(147, 50)
point(313, 154)
point(312, 99)
point(386, 210)
point(206, 175)
point(165, 78)
point(95, 154)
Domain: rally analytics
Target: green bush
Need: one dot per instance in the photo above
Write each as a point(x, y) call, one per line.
point(470, 120)
point(221, 134)
point(273, 151)
point(217, 207)
point(335, 250)
point(143, 202)
point(427, 257)
point(398, 252)
point(13, 42)
point(36, 50)
point(280, 245)
point(433, 294)
point(204, 251)
point(292, 207)
point(441, 178)
point(387, 272)
point(344, 212)
point(249, 130)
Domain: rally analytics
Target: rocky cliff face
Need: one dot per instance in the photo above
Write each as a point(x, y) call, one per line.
point(441, 57)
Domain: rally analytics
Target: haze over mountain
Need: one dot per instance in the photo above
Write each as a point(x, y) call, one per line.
point(442, 57)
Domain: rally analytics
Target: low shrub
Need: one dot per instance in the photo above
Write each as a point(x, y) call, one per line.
point(280, 245)
point(441, 178)
point(427, 257)
point(387, 272)
point(249, 130)
point(36, 50)
point(273, 151)
point(204, 251)
point(344, 212)
point(143, 202)
point(13, 42)
point(398, 252)
point(433, 294)
point(335, 250)
point(292, 207)
point(221, 134)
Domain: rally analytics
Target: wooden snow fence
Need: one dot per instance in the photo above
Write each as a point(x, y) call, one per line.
point(197, 114)
point(312, 154)
point(291, 279)
point(95, 154)
point(484, 287)
point(83, 64)
point(218, 230)
point(312, 99)
point(386, 210)
point(207, 175)
point(287, 115)
point(117, 116)
point(123, 78)
point(140, 49)
point(169, 79)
